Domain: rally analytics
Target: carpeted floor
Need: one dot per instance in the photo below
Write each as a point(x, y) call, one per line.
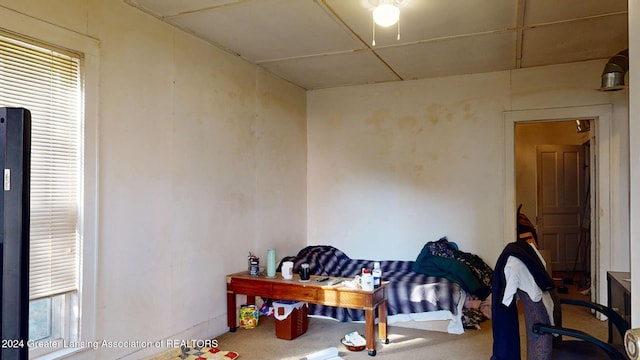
point(261, 343)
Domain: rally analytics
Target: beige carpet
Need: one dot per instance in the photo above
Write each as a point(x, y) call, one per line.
point(261, 342)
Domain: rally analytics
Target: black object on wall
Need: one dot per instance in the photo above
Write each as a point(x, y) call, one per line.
point(15, 158)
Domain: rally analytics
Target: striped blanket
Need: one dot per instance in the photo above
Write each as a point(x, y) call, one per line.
point(408, 292)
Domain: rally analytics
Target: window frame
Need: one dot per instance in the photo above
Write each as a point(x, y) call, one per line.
point(40, 31)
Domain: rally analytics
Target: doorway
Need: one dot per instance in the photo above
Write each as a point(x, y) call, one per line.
point(552, 172)
point(600, 118)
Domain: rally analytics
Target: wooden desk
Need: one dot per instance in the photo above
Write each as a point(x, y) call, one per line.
point(619, 299)
point(312, 292)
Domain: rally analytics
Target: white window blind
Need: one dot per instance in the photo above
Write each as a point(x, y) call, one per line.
point(47, 82)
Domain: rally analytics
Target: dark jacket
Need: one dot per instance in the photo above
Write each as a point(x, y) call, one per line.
point(505, 324)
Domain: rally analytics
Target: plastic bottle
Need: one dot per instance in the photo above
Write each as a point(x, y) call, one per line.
point(367, 280)
point(271, 263)
point(377, 274)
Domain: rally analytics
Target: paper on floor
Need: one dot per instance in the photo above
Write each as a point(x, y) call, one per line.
point(326, 354)
point(355, 339)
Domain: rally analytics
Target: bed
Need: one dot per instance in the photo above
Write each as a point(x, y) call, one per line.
point(414, 299)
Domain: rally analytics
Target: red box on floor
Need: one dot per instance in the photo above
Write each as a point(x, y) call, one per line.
point(291, 319)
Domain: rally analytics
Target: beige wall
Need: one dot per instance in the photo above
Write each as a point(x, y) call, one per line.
point(395, 165)
point(201, 160)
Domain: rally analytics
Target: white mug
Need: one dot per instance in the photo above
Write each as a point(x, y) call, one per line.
point(287, 270)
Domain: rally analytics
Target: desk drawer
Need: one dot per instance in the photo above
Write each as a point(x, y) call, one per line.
point(252, 288)
point(294, 292)
point(351, 300)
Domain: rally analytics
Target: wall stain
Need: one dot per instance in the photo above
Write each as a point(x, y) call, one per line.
point(437, 112)
point(468, 113)
point(378, 118)
point(407, 123)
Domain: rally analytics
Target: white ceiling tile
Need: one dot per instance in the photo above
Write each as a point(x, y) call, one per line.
point(545, 11)
point(595, 38)
point(464, 55)
point(429, 19)
point(165, 8)
point(267, 30)
point(333, 70)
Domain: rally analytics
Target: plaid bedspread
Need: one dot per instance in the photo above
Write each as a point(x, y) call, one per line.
point(408, 291)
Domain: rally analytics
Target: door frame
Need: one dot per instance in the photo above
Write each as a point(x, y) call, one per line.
point(601, 232)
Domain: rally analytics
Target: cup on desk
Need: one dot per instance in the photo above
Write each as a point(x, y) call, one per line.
point(287, 270)
point(305, 273)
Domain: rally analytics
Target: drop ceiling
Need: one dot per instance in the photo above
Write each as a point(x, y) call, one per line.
point(328, 43)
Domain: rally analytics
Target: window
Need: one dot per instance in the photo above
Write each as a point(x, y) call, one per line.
point(89, 65)
point(47, 81)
